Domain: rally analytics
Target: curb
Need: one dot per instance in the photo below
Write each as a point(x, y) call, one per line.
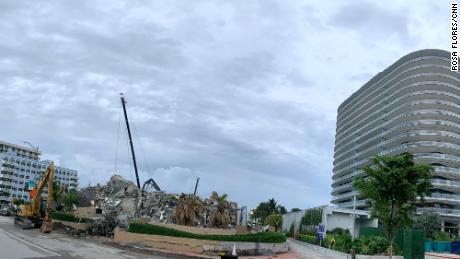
point(161, 252)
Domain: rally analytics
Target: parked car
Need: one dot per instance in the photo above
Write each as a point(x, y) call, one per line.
point(5, 210)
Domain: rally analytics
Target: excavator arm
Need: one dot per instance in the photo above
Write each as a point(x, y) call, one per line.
point(47, 223)
point(29, 215)
point(47, 179)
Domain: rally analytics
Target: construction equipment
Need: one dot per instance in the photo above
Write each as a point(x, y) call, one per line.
point(123, 104)
point(30, 215)
point(149, 184)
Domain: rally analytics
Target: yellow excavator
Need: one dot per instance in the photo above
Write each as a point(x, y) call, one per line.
point(30, 215)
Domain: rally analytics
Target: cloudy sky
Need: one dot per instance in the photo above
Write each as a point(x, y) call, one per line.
point(242, 94)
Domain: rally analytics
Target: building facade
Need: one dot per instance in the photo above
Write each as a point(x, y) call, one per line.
point(20, 165)
point(412, 106)
point(332, 218)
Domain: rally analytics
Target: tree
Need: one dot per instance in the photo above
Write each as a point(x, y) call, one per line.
point(264, 209)
point(311, 219)
point(274, 220)
point(430, 222)
point(392, 185)
point(70, 198)
point(282, 209)
point(188, 208)
point(220, 215)
point(295, 210)
point(57, 193)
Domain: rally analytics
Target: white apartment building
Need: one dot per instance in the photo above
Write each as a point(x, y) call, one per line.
point(20, 165)
point(412, 106)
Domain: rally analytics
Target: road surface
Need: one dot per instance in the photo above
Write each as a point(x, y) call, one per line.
point(16, 243)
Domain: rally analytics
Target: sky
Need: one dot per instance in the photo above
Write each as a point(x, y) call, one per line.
point(242, 94)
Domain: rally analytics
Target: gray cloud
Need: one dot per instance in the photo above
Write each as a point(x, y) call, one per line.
point(372, 19)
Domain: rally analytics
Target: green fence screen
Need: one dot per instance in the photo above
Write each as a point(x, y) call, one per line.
point(411, 241)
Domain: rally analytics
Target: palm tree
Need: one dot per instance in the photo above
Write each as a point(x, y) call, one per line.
point(187, 209)
point(57, 194)
point(220, 215)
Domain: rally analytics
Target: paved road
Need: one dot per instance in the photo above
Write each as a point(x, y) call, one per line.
point(16, 243)
point(306, 251)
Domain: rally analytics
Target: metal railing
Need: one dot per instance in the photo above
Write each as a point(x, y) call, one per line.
point(350, 203)
point(338, 188)
point(348, 194)
point(5, 198)
point(445, 196)
point(445, 182)
point(442, 211)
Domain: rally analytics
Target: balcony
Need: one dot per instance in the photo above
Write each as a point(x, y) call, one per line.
point(6, 183)
point(7, 169)
point(435, 157)
point(6, 176)
point(446, 184)
point(453, 199)
point(5, 198)
point(347, 176)
point(348, 194)
point(342, 187)
point(350, 204)
point(442, 211)
point(450, 170)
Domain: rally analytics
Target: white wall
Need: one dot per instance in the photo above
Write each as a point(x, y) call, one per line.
point(333, 218)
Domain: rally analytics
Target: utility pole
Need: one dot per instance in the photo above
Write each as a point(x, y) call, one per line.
point(123, 103)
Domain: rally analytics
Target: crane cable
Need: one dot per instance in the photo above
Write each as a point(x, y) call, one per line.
point(116, 149)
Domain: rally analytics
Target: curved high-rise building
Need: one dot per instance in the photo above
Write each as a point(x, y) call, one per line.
point(412, 106)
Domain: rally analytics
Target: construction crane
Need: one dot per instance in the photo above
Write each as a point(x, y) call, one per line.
point(30, 215)
point(123, 104)
point(149, 183)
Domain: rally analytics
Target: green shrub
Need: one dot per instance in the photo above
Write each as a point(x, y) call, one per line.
point(442, 236)
point(308, 239)
point(338, 242)
point(305, 232)
point(64, 217)
point(373, 245)
point(265, 237)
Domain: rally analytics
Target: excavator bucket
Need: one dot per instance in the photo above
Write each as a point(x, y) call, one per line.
point(47, 226)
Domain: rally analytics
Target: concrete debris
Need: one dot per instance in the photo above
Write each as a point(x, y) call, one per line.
point(119, 199)
point(104, 225)
point(120, 202)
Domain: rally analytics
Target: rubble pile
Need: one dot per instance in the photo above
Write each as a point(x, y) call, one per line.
point(104, 225)
point(121, 201)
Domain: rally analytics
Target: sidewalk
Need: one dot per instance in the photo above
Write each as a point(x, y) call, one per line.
point(307, 251)
point(178, 254)
point(441, 256)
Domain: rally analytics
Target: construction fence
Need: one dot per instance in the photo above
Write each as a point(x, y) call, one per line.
point(411, 241)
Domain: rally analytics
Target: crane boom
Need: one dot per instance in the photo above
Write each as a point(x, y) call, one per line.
point(123, 104)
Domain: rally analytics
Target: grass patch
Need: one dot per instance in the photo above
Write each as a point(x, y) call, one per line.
point(266, 237)
point(65, 217)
